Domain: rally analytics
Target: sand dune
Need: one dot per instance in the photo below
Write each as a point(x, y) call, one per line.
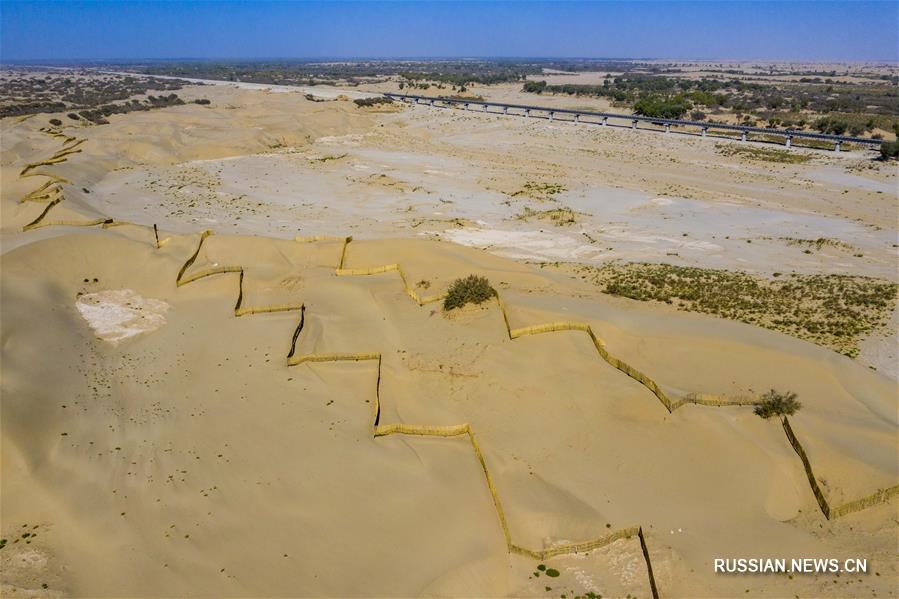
point(298, 416)
point(141, 417)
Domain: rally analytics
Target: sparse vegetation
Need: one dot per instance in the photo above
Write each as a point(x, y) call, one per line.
point(330, 157)
point(834, 311)
point(558, 216)
point(33, 91)
point(762, 154)
point(470, 290)
point(818, 243)
point(538, 190)
point(777, 404)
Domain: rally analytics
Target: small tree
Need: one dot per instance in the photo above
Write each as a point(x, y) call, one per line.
point(55, 122)
point(470, 290)
point(775, 403)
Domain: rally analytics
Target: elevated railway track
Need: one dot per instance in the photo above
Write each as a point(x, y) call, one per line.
point(602, 118)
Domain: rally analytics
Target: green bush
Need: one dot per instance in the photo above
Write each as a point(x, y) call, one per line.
point(55, 122)
point(889, 149)
point(665, 108)
point(470, 290)
point(777, 404)
point(534, 87)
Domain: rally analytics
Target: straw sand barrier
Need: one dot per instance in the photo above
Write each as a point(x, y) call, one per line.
point(52, 188)
point(464, 429)
point(671, 404)
point(832, 512)
point(54, 197)
point(239, 308)
point(341, 271)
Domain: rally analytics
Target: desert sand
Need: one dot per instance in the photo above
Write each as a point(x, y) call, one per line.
point(282, 408)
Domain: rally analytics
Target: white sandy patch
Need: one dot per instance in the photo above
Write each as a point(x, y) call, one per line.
point(526, 245)
point(351, 139)
point(626, 235)
point(119, 314)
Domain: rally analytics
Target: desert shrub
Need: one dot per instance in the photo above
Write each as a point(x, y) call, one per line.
point(73, 116)
point(775, 403)
point(365, 102)
point(202, 101)
point(55, 122)
point(889, 149)
point(470, 290)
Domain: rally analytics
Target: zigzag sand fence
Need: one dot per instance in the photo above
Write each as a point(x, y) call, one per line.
point(456, 376)
point(263, 287)
point(51, 190)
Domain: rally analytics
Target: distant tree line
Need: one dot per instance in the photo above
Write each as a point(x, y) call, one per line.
point(844, 109)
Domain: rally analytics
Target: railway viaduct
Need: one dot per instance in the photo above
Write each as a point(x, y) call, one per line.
point(602, 118)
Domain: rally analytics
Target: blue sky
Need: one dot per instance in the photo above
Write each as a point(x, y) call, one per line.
point(724, 30)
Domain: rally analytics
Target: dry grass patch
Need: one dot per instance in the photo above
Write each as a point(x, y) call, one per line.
point(834, 311)
point(539, 191)
point(558, 216)
point(763, 154)
point(817, 244)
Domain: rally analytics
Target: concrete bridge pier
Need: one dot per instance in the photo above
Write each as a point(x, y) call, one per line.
point(743, 136)
point(577, 118)
point(485, 108)
point(432, 102)
point(527, 112)
point(705, 131)
point(667, 128)
point(505, 110)
point(836, 147)
point(551, 114)
point(605, 121)
point(789, 141)
point(466, 106)
point(634, 124)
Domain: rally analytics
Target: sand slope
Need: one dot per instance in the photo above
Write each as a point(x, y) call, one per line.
point(195, 448)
